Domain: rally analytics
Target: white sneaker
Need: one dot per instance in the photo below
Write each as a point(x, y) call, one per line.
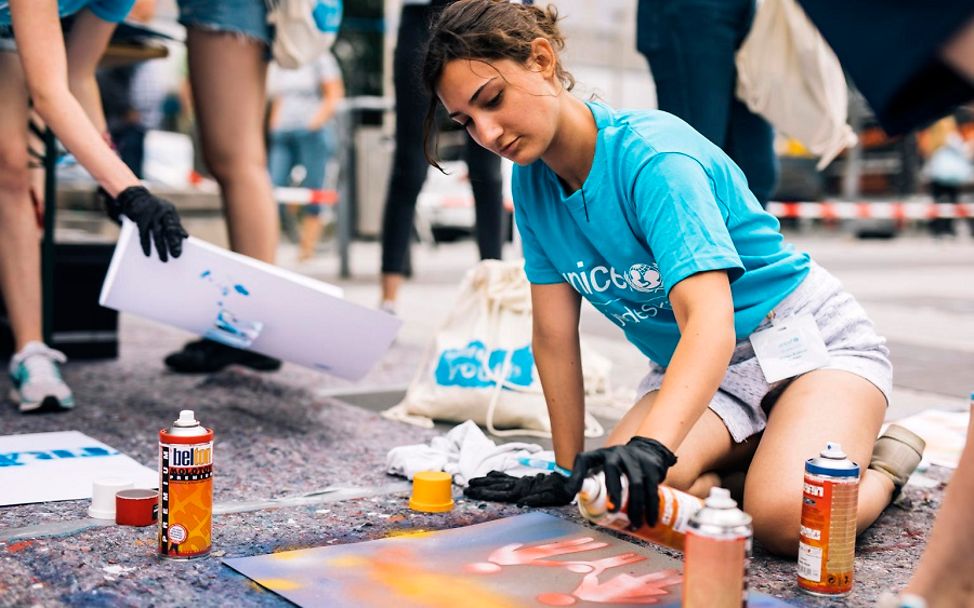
point(36, 375)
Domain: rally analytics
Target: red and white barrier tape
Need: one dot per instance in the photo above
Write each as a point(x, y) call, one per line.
point(920, 209)
point(306, 196)
point(886, 210)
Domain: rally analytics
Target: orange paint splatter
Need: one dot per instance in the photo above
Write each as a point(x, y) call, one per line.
point(408, 533)
point(279, 584)
point(482, 568)
point(556, 599)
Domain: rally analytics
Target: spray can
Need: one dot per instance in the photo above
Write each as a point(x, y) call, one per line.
point(185, 488)
point(675, 510)
point(718, 550)
point(827, 545)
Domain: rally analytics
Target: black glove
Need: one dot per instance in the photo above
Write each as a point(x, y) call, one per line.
point(539, 491)
point(156, 218)
point(643, 461)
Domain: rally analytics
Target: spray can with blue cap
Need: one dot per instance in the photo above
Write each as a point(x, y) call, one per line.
point(827, 544)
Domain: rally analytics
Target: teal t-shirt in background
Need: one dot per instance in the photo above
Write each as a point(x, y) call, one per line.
point(113, 11)
point(660, 204)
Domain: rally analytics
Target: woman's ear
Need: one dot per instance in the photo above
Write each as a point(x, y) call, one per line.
point(543, 57)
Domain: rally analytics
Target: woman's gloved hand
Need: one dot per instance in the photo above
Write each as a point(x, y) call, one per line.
point(541, 490)
point(156, 219)
point(643, 461)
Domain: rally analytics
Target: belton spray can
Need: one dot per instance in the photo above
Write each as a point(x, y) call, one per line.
point(185, 488)
point(718, 550)
point(827, 545)
point(675, 509)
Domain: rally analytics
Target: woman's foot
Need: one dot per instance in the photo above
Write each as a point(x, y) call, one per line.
point(206, 356)
point(37, 384)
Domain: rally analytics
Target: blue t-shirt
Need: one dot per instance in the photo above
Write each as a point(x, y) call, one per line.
point(660, 203)
point(113, 11)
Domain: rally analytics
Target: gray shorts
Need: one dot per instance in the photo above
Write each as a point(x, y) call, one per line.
point(745, 398)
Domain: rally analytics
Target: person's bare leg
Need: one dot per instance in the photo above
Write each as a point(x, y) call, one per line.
point(390, 286)
point(228, 75)
point(821, 406)
point(948, 552)
point(707, 447)
point(311, 229)
point(959, 51)
point(20, 253)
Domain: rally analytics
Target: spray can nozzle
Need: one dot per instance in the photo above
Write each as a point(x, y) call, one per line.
point(834, 451)
point(186, 418)
point(720, 498)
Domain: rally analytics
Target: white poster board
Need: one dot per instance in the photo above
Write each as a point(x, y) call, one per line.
point(44, 467)
point(945, 433)
point(250, 304)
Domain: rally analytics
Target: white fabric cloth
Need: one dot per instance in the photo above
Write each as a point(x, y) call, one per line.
point(466, 452)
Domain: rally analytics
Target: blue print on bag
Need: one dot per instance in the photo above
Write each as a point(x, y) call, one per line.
point(327, 15)
point(465, 367)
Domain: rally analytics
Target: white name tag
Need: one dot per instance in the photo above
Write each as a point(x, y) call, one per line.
point(789, 347)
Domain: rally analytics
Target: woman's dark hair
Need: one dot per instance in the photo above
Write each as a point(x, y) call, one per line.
point(484, 30)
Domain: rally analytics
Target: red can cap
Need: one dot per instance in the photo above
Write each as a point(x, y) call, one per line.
point(136, 507)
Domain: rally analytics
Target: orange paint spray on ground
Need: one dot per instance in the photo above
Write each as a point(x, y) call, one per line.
point(827, 545)
point(675, 510)
point(185, 488)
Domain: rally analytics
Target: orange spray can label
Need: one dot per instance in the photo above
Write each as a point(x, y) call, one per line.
point(185, 494)
point(675, 510)
point(827, 545)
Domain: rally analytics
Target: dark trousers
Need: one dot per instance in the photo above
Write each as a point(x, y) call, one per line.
point(945, 193)
point(409, 164)
point(690, 46)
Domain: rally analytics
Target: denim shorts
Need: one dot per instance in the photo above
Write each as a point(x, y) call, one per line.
point(745, 398)
point(245, 17)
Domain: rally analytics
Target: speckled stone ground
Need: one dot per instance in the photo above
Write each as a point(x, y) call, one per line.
point(277, 437)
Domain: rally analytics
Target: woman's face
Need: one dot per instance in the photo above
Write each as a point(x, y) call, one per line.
point(508, 108)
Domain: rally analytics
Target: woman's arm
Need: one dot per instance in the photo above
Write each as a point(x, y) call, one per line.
point(704, 311)
point(559, 360)
point(42, 53)
point(332, 92)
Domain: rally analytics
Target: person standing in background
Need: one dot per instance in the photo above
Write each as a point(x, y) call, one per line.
point(302, 132)
point(227, 45)
point(948, 168)
point(54, 74)
point(409, 164)
point(690, 46)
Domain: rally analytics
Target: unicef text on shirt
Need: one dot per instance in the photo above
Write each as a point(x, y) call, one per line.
point(640, 277)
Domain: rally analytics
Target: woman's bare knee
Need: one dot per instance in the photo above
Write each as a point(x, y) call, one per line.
point(227, 167)
point(776, 521)
point(682, 477)
point(14, 176)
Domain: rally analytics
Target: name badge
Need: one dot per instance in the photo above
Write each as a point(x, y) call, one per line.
point(789, 347)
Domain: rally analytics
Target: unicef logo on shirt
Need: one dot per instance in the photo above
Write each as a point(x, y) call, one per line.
point(643, 277)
